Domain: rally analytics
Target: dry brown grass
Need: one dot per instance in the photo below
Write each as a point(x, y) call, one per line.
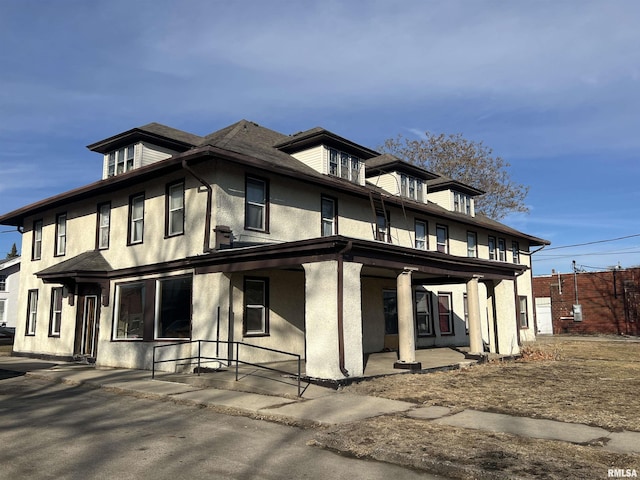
point(589, 382)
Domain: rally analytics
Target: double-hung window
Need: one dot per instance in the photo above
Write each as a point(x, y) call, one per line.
point(3, 283)
point(382, 226)
point(256, 306)
point(173, 308)
point(256, 208)
point(515, 249)
point(472, 244)
point(174, 219)
point(61, 234)
point(136, 218)
point(522, 306)
point(442, 238)
point(104, 225)
point(344, 165)
point(492, 248)
point(55, 317)
point(36, 247)
point(424, 324)
point(32, 312)
point(445, 314)
point(329, 223)
point(502, 250)
point(421, 235)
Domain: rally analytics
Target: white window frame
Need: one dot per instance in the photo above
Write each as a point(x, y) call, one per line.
point(421, 238)
point(32, 312)
point(263, 308)
point(137, 200)
point(515, 250)
point(55, 320)
point(344, 165)
point(383, 227)
point(61, 234)
point(442, 246)
point(502, 250)
point(423, 309)
point(3, 311)
point(36, 250)
point(104, 225)
point(472, 245)
point(116, 314)
point(523, 314)
point(253, 204)
point(175, 210)
point(328, 223)
point(491, 244)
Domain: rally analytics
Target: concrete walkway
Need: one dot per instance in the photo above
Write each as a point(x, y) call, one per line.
point(319, 405)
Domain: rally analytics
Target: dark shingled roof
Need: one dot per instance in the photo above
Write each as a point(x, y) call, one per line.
point(387, 162)
point(88, 262)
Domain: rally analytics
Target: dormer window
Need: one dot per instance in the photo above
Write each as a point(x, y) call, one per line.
point(411, 187)
point(344, 165)
point(120, 161)
point(461, 203)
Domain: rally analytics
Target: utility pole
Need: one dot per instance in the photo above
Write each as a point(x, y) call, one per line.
point(575, 280)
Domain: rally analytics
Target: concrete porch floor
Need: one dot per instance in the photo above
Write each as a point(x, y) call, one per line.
point(284, 382)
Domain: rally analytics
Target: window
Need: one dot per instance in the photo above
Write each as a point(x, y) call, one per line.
point(61, 234)
point(120, 161)
point(445, 318)
point(472, 244)
point(502, 250)
point(256, 306)
point(442, 238)
point(129, 311)
point(173, 308)
point(104, 222)
point(515, 249)
point(411, 187)
point(136, 218)
point(3, 283)
point(32, 312)
point(329, 222)
point(111, 164)
point(524, 319)
point(256, 206)
point(465, 302)
point(174, 218)
point(343, 165)
point(55, 317)
point(390, 309)
point(36, 247)
point(492, 248)
point(461, 203)
point(421, 235)
point(424, 324)
point(3, 309)
point(382, 226)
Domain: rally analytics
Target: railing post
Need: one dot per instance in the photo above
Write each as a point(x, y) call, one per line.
point(153, 365)
point(198, 357)
point(237, 359)
point(298, 375)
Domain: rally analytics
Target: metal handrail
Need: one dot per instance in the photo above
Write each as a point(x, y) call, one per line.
point(237, 360)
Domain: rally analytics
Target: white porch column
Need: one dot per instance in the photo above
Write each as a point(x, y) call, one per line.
point(506, 320)
point(406, 323)
point(333, 320)
point(473, 306)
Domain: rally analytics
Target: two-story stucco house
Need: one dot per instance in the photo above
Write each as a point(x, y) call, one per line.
point(307, 243)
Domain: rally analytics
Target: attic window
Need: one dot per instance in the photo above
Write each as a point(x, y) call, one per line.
point(344, 165)
point(461, 203)
point(411, 187)
point(120, 161)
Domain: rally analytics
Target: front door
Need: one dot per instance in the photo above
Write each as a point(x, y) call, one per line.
point(87, 324)
point(390, 305)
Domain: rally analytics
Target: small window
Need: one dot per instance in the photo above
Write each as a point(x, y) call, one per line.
point(442, 238)
point(343, 165)
point(256, 206)
point(129, 311)
point(424, 323)
point(333, 162)
point(465, 301)
point(173, 314)
point(515, 249)
point(524, 319)
point(472, 245)
point(502, 250)
point(404, 185)
point(355, 169)
point(3, 283)
point(104, 225)
point(445, 315)
point(111, 165)
point(61, 234)
point(136, 218)
point(329, 224)
point(421, 235)
point(36, 248)
point(129, 158)
point(256, 306)
point(55, 317)
point(120, 164)
point(32, 312)
point(382, 227)
point(3, 312)
point(174, 219)
point(492, 248)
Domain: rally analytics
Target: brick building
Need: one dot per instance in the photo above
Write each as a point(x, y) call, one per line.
point(609, 300)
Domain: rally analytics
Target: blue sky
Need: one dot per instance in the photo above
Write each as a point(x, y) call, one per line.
point(551, 86)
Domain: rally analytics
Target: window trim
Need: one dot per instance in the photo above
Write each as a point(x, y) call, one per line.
point(440, 227)
point(99, 226)
point(334, 220)
point(130, 229)
point(116, 311)
point(472, 250)
point(168, 211)
point(265, 206)
point(60, 244)
point(426, 234)
point(502, 250)
point(451, 332)
point(493, 253)
point(429, 322)
point(265, 307)
point(3, 283)
point(36, 253)
point(515, 251)
point(383, 236)
point(32, 312)
point(523, 314)
point(55, 315)
point(158, 308)
point(338, 161)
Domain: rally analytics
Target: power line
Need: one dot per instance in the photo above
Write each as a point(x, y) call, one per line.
point(593, 243)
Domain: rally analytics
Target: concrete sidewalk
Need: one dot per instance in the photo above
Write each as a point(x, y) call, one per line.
point(318, 406)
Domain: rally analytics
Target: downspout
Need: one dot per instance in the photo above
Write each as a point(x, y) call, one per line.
point(341, 254)
point(207, 221)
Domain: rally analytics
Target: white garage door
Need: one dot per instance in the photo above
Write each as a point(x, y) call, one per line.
point(543, 315)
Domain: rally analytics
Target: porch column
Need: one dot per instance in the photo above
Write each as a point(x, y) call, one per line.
point(506, 318)
point(406, 323)
point(473, 306)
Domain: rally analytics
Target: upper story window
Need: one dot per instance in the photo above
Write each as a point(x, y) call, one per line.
point(329, 222)
point(383, 231)
point(492, 248)
point(515, 249)
point(36, 247)
point(502, 250)
point(3, 283)
point(174, 209)
point(136, 219)
point(442, 238)
point(343, 165)
point(256, 205)
point(411, 187)
point(61, 234)
point(462, 203)
point(421, 235)
point(104, 225)
point(472, 244)
point(120, 161)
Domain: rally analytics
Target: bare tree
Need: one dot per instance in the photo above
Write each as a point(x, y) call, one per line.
point(469, 162)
